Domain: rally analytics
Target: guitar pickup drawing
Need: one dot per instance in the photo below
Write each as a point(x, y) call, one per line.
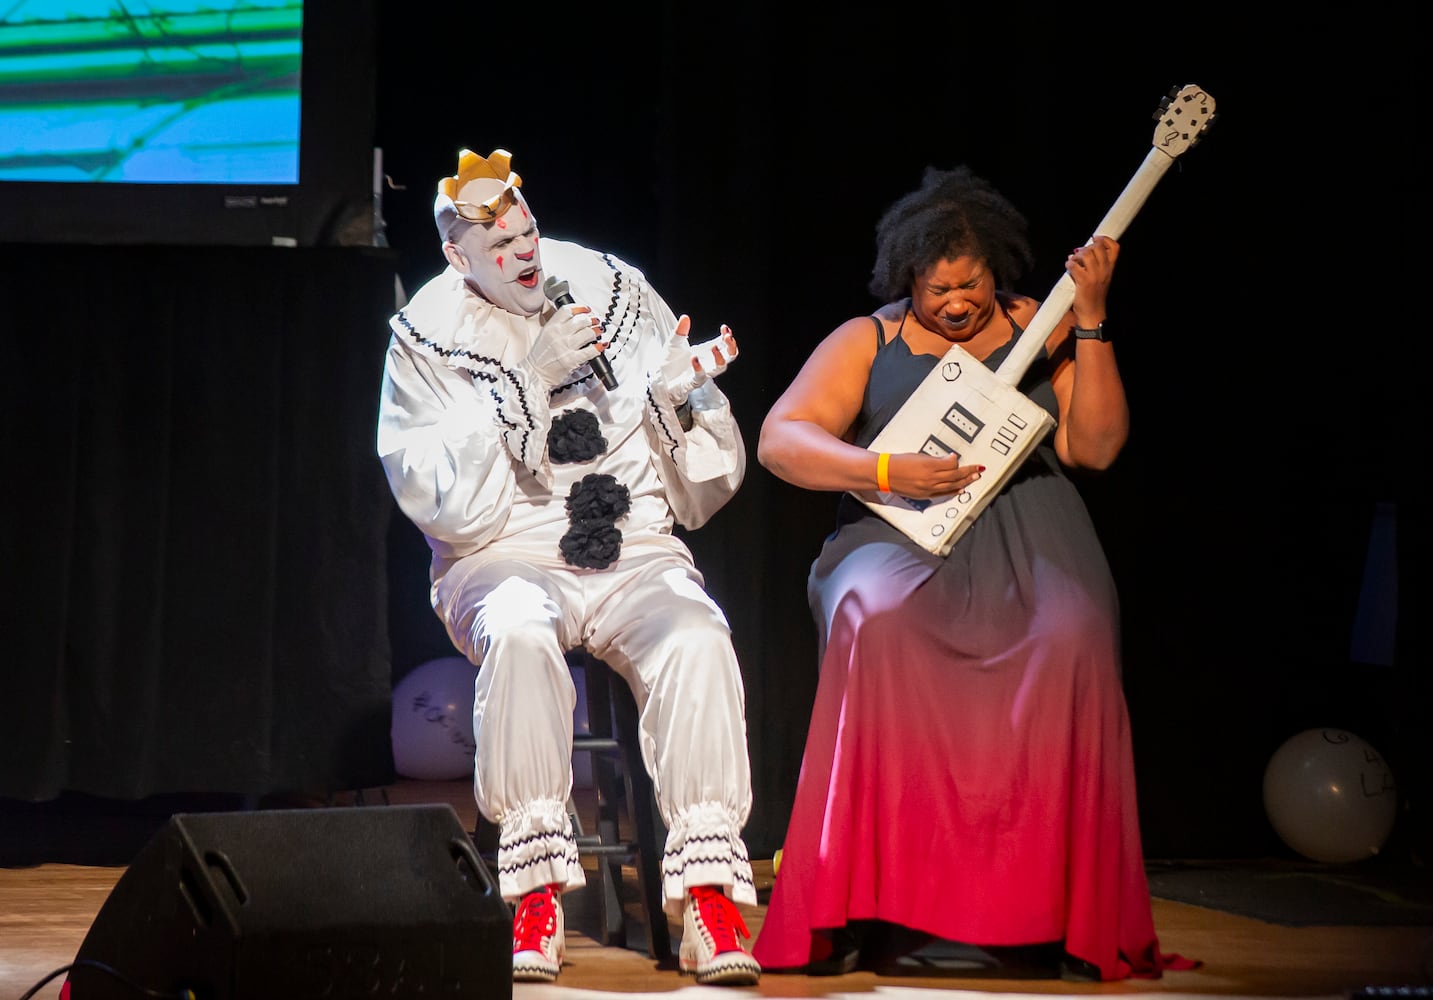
point(963, 422)
point(936, 448)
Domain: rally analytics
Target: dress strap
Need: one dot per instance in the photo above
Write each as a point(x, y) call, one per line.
point(1014, 326)
point(881, 330)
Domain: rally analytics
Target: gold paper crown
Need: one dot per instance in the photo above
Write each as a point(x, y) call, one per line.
point(472, 167)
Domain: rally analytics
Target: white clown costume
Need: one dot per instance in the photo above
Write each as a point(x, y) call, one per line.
point(486, 460)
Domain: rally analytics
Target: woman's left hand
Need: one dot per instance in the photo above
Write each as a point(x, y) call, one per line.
point(1091, 267)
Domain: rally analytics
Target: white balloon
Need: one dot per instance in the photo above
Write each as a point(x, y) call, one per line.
point(1330, 796)
point(432, 728)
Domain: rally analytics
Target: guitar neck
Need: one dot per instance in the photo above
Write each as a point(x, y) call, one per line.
point(1058, 302)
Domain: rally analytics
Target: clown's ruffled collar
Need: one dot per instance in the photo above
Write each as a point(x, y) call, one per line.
point(447, 320)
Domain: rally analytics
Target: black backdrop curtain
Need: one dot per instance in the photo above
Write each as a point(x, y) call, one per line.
point(195, 521)
point(743, 161)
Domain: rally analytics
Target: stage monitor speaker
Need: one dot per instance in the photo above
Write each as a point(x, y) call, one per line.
point(293, 904)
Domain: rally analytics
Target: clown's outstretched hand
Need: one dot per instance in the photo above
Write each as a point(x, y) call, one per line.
point(689, 367)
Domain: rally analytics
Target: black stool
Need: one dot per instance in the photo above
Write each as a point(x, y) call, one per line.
point(619, 777)
point(622, 788)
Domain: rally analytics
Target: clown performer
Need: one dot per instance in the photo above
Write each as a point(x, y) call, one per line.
point(548, 500)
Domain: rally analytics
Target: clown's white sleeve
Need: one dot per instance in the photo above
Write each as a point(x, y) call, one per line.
point(696, 443)
point(443, 451)
point(703, 464)
point(523, 416)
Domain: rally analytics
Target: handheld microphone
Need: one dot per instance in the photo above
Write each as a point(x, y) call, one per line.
point(556, 290)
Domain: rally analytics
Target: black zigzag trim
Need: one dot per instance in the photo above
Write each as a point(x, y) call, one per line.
point(482, 376)
point(610, 319)
point(567, 858)
point(662, 426)
point(709, 838)
point(680, 871)
point(730, 856)
point(497, 400)
point(450, 352)
point(634, 308)
point(567, 854)
point(532, 838)
point(680, 874)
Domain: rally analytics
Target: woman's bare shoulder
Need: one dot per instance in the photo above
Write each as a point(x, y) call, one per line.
point(857, 336)
point(1021, 307)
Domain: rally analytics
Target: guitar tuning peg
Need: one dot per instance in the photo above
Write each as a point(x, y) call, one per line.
point(1160, 111)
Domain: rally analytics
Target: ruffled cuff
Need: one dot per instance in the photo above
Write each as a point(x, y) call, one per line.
point(536, 847)
point(704, 847)
point(701, 435)
point(525, 419)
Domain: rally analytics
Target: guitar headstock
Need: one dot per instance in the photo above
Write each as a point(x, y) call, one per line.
point(1183, 117)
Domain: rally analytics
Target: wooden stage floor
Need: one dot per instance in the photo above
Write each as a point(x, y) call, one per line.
point(46, 911)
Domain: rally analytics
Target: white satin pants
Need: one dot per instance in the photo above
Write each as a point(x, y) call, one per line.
point(515, 612)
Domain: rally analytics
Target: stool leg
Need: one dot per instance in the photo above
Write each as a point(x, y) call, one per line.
point(647, 825)
point(597, 685)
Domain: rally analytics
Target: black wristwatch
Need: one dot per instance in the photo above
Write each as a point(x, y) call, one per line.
point(1098, 333)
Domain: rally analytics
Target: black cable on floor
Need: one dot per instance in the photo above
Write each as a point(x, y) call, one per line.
point(183, 994)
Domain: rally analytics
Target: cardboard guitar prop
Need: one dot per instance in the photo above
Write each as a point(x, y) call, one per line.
point(962, 407)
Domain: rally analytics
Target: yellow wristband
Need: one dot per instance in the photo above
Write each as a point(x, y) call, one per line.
point(883, 472)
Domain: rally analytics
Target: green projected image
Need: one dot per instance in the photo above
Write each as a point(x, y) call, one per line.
point(150, 91)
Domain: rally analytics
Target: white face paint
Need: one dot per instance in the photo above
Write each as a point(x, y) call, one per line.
point(501, 258)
